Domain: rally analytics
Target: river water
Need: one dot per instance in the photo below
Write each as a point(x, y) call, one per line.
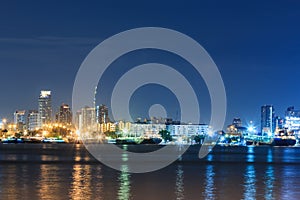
point(68, 171)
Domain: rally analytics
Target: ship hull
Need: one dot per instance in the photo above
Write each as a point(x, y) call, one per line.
point(283, 142)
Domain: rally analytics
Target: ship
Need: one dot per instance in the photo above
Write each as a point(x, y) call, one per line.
point(282, 138)
point(284, 141)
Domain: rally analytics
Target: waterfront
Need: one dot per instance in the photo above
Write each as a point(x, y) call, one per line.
point(67, 171)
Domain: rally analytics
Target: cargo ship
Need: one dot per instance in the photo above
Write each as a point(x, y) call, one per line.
point(284, 141)
point(280, 139)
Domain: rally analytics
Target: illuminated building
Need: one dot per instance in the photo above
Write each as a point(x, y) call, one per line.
point(188, 129)
point(111, 127)
point(152, 129)
point(33, 120)
point(267, 120)
point(102, 114)
point(64, 114)
point(3, 124)
point(123, 126)
point(20, 119)
point(236, 128)
point(78, 120)
point(292, 120)
point(45, 108)
point(148, 130)
point(86, 119)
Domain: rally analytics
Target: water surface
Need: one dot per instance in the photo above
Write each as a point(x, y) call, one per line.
point(67, 171)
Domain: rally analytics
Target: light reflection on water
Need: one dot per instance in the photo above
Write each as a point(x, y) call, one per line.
point(81, 183)
point(50, 182)
point(290, 180)
point(124, 178)
point(209, 157)
point(179, 183)
point(250, 183)
point(239, 173)
point(80, 179)
point(270, 156)
point(250, 154)
point(269, 183)
point(209, 183)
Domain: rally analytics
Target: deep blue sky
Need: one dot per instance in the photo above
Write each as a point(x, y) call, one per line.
point(255, 44)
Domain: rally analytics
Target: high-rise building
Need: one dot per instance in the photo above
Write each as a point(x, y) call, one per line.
point(20, 119)
point(102, 114)
point(78, 120)
point(86, 119)
point(64, 115)
point(33, 119)
point(45, 108)
point(267, 119)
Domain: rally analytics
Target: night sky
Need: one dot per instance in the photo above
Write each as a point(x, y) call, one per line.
point(255, 44)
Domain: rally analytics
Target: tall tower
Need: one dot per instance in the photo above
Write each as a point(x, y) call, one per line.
point(87, 120)
point(95, 96)
point(33, 119)
point(45, 108)
point(64, 114)
point(267, 119)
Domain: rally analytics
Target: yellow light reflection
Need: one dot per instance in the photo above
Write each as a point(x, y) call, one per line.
point(81, 183)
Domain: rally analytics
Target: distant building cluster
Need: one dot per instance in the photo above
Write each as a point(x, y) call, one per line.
point(96, 119)
point(272, 124)
point(35, 119)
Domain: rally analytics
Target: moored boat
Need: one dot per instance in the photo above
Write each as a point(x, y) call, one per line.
point(284, 141)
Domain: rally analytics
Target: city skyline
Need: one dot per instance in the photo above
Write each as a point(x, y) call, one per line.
point(270, 120)
point(103, 114)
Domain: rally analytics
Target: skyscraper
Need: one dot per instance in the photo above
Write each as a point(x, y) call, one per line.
point(45, 108)
point(86, 119)
point(20, 119)
point(102, 114)
point(267, 119)
point(64, 115)
point(33, 120)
